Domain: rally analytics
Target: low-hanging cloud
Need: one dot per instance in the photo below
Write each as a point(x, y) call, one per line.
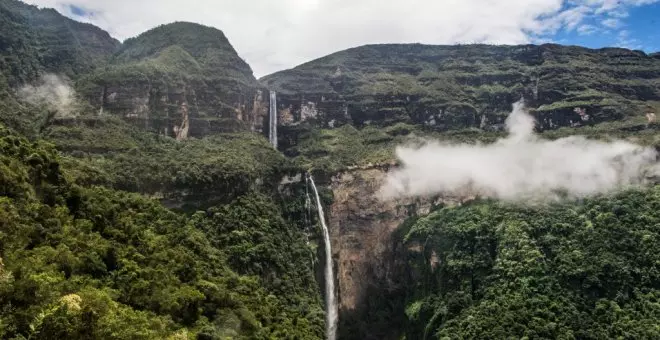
point(52, 91)
point(521, 166)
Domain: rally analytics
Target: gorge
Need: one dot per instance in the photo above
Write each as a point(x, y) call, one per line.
point(171, 199)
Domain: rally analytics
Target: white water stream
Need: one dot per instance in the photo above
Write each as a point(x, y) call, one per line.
point(272, 132)
point(331, 302)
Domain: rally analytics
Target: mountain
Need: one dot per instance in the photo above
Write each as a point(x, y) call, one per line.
point(352, 107)
point(152, 206)
point(454, 87)
point(431, 267)
point(35, 40)
point(113, 229)
point(180, 79)
point(88, 262)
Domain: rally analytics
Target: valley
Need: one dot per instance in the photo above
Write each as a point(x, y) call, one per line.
point(171, 197)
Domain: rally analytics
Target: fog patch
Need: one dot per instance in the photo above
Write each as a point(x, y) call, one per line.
point(53, 92)
point(520, 167)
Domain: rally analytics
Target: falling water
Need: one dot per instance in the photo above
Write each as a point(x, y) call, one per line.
point(308, 204)
point(331, 304)
point(272, 133)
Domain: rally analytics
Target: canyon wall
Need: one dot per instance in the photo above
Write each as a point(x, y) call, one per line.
point(368, 252)
point(468, 86)
point(180, 79)
point(166, 108)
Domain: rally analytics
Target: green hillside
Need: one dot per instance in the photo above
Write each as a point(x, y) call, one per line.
point(153, 206)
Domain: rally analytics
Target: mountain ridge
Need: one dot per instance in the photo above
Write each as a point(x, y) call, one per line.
point(157, 209)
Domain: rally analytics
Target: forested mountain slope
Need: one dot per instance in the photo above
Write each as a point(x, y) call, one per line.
point(90, 262)
point(81, 259)
point(152, 206)
point(180, 80)
point(494, 270)
point(452, 87)
point(37, 41)
point(33, 41)
point(353, 106)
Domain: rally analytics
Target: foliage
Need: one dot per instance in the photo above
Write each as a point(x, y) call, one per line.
point(332, 150)
point(459, 88)
point(206, 45)
point(81, 259)
point(572, 270)
point(96, 263)
point(35, 40)
point(200, 171)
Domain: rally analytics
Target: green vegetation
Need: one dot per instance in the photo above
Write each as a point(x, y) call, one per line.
point(206, 45)
point(448, 88)
point(575, 270)
point(332, 150)
point(35, 40)
point(81, 262)
point(109, 231)
point(463, 94)
point(169, 65)
point(200, 172)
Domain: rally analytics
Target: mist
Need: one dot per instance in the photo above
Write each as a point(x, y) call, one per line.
point(521, 166)
point(53, 92)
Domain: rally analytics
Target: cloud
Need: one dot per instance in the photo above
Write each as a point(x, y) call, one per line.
point(53, 92)
point(274, 35)
point(587, 29)
point(520, 167)
point(611, 22)
point(624, 40)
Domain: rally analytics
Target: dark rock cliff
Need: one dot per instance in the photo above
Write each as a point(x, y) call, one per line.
point(469, 86)
point(370, 259)
point(377, 92)
point(180, 80)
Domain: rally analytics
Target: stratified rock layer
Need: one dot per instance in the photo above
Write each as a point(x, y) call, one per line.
point(468, 86)
point(179, 77)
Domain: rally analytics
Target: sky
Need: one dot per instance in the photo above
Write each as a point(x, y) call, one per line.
point(273, 35)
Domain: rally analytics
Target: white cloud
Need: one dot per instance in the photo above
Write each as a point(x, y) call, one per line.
point(605, 6)
point(611, 23)
point(587, 29)
point(626, 41)
point(51, 91)
point(521, 167)
point(274, 35)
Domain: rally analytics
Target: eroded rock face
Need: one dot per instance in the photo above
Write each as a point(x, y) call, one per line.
point(198, 110)
point(367, 256)
point(470, 86)
point(180, 79)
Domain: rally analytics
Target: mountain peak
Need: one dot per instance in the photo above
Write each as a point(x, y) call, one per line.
point(195, 38)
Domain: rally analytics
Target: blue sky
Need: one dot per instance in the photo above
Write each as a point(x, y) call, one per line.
point(640, 29)
point(274, 35)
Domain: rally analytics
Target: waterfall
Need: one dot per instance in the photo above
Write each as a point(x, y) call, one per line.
point(331, 304)
point(272, 133)
point(308, 204)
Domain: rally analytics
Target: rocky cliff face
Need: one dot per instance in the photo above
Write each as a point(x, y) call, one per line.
point(179, 77)
point(166, 108)
point(472, 86)
point(370, 262)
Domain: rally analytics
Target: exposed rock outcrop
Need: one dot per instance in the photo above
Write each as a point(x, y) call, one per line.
point(469, 86)
point(176, 70)
point(368, 259)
